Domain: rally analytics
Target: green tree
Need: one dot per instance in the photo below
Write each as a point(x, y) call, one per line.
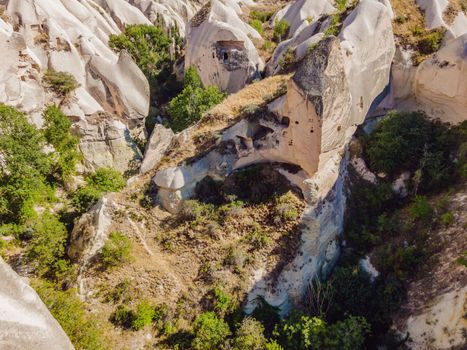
point(250, 335)
point(398, 141)
point(83, 329)
point(102, 181)
point(209, 332)
point(62, 83)
point(349, 334)
point(57, 132)
point(47, 245)
point(143, 316)
point(150, 46)
point(281, 28)
point(24, 167)
point(188, 107)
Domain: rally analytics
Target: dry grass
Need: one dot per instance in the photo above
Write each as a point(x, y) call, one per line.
point(409, 19)
point(197, 139)
point(255, 94)
point(454, 7)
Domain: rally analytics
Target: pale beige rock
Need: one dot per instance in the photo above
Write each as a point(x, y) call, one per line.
point(159, 142)
point(442, 325)
point(25, 322)
point(90, 233)
point(220, 48)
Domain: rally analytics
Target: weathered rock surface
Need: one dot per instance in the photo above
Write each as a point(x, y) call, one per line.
point(299, 14)
point(160, 140)
point(72, 36)
point(90, 232)
point(25, 322)
point(434, 11)
point(170, 12)
point(219, 46)
point(412, 88)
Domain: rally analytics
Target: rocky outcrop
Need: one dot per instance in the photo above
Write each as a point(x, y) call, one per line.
point(440, 13)
point(72, 36)
point(90, 233)
point(299, 14)
point(219, 46)
point(25, 322)
point(412, 87)
point(310, 126)
point(160, 140)
point(170, 12)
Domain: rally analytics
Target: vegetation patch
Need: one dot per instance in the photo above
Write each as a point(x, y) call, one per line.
point(62, 83)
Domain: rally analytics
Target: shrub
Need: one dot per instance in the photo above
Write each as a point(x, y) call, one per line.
point(250, 336)
point(188, 107)
point(24, 167)
point(62, 83)
point(122, 316)
point(257, 238)
point(143, 316)
point(285, 208)
point(209, 332)
point(148, 45)
point(47, 245)
point(83, 329)
point(287, 59)
point(447, 218)
point(262, 16)
point(281, 28)
point(223, 303)
point(117, 250)
point(431, 41)
point(421, 210)
point(102, 181)
point(257, 25)
point(398, 142)
point(349, 334)
point(57, 132)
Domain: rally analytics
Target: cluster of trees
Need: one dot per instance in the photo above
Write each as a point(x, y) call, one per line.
point(33, 164)
point(155, 50)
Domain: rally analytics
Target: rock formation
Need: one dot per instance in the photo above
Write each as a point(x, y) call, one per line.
point(220, 48)
point(72, 36)
point(25, 322)
point(309, 126)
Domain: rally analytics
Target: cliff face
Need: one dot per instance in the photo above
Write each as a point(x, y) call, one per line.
point(25, 322)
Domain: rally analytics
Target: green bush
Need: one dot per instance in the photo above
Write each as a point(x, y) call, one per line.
point(209, 332)
point(250, 336)
point(262, 16)
point(398, 142)
point(83, 329)
point(349, 334)
point(188, 107)
point(281, 28)
point(62, 83)
point(116, 250)
point(47, 245)
point(143, 316)
point(287, 59)
point(57, 133)
point(223, 302)
point(24, 167)
point(447, 218)
point(122, 317)
point(431, 41)
point(257, 25)
point(102, 181)
point(421, 210)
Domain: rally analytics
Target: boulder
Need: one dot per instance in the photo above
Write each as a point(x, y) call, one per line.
point(25, 322)
point(412, 88)
point(219, 46)
point(106, 142)
point(160, 140)
point(90, 233)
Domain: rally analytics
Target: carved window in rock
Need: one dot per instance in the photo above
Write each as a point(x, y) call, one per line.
point(231, 54)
